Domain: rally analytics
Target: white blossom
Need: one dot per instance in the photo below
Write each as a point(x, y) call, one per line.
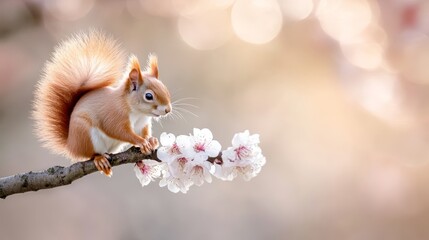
point(175, 184)
point(201, 146)
point(185, 160)
point(148, 170)
point(198, 149)
point(171, 148)
point(174, 175)
point(244, 158)
point(200, 172)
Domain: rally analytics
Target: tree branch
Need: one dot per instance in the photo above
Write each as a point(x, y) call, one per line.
point(59, 176)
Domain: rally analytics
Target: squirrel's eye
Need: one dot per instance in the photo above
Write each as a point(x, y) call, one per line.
point(148, 96)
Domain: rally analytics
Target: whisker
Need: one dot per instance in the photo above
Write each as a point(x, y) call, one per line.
point(176, 91)
point(160, 123)
point(171, 116)
point(187, 111)
point(174, 116)
point(184, 99)
point(179, 114)
point(185, 104)
point(168, 117)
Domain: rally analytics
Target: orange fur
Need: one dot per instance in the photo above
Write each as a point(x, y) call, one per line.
point(152, 68)
point(160, 90)
point(86, 102)
point(146, 132)
point(81, 64)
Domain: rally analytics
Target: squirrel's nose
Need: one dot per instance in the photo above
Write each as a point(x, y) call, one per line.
point(167, 109)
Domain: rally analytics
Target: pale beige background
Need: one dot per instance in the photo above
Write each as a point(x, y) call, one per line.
point(343, 127)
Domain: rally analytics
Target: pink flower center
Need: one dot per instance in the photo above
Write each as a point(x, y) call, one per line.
point(174, 150)
point(198, 170)
point(199, 147)
point(144, 169)
point(241, 152)
point(182, 161)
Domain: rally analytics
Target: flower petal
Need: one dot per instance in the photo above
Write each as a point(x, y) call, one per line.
point(156, 167)
point(148, 170)
point(228, 156)
point(200, 157)
point(240, 138)
point(213, 148)
point(197, 177)
point(183, 142)
point(207, 134)
point(163, 154)
point(163, 182)
point(202, 136)
point(143, 179)
point(253, 139)
point(224, 173)
point(173, 187)
point(207, 176)
point(167, 139)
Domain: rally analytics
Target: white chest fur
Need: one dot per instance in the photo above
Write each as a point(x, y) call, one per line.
point(104, 144)
point(138, 122)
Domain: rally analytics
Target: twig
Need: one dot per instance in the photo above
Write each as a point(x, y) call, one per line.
point(60, 176)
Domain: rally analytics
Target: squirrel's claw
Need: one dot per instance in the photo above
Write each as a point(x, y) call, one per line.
point(149, 145)
point(145, 148)
point(102, 164)
point(153, 141)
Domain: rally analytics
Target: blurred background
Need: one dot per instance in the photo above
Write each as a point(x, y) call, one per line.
point(337, 89)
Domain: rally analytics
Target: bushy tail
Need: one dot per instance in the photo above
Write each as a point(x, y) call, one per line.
point(80, 64)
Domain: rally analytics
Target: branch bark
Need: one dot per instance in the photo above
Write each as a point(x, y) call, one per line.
point(60, 176)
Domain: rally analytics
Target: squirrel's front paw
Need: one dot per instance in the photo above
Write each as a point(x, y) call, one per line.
point(145, 147)
point(154, 143)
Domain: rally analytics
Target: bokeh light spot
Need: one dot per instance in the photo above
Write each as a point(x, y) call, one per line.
point(363, 54)
point(256, 21)
point(297, 10)
point(201, 6)
point(376, 91)
point(69, 10)
point(205, 30)
point(414, 61)
point(164, 8)
point(344, 19)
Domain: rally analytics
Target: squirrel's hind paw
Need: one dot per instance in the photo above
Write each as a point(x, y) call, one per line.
point(102, 164)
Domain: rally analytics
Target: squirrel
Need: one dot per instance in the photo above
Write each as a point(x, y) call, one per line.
point(90, 101)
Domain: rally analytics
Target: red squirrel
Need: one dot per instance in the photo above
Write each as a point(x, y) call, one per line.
point(90, 102)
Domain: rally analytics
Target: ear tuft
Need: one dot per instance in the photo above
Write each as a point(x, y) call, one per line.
point(134, 76)
point(152, 66)
point(133, 63)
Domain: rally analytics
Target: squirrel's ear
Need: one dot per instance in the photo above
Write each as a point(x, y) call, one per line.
point(134, 76)
point(152, 65)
